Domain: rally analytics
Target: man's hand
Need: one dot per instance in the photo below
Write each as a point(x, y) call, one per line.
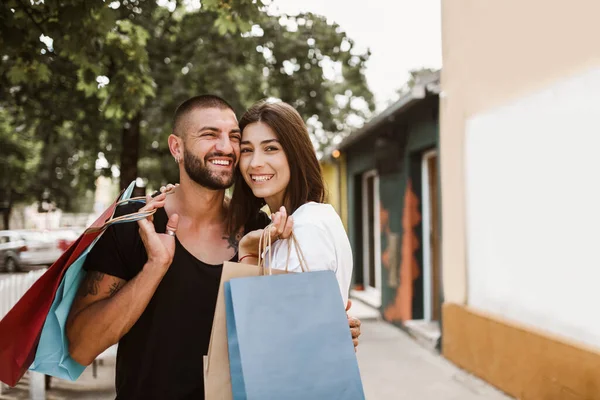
point(169, 188)
point(160, 247)
point(354, 324)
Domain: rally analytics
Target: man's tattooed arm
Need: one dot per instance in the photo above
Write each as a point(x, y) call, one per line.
point(114, 288)
point(89, 286)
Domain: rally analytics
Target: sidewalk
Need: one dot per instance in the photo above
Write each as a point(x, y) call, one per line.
point(392, 364)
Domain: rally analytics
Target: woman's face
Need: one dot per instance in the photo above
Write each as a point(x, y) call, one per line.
point(263, 164)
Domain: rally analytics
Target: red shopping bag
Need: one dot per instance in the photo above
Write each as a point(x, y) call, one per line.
point(21, 328)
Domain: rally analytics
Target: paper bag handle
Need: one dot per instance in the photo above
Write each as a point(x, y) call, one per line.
point(265, 242)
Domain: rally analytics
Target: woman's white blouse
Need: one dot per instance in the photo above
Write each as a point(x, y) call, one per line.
point(321, 236)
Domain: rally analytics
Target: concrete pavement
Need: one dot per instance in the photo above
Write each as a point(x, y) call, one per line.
point(392, 364)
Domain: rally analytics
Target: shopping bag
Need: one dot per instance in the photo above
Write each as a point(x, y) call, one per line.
point(52, 355)
point(217, 378)
point(21, 329)
point(217, 382)
point(288, 338)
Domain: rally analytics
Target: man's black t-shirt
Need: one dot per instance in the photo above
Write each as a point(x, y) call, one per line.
point(161, 356)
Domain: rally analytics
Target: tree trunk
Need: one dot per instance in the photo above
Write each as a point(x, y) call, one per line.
point(6, 218)
point(130, 140)
point(6, 208)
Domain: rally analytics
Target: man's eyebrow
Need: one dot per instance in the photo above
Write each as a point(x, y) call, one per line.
point(214, 129)
point(208, 128)
point(263, 142)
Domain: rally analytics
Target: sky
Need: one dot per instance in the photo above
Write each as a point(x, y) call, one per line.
point(401, 34)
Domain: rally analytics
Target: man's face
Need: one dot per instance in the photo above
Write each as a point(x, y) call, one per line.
point(211, 147)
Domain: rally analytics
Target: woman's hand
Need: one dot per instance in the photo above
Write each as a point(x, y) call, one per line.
point(160, 247)
point(280, 228)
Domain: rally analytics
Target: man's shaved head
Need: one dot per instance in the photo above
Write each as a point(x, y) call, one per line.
point(196, 103)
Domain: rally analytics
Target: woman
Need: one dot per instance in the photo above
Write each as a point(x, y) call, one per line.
point(278, 166)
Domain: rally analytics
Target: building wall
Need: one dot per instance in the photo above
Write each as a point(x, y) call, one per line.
point(334, 175)
point(533, 208)
point(343, 190)
point(519, 129)
point(487, 65)
point(330, 176)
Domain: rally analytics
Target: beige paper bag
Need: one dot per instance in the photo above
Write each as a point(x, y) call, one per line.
point(217, 378)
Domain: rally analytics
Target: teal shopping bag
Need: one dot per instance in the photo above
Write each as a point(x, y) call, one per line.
point(52, 354)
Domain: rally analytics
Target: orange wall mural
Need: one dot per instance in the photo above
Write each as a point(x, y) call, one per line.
point(401, 308)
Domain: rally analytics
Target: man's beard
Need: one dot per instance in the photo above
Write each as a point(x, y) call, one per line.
point(200, 173)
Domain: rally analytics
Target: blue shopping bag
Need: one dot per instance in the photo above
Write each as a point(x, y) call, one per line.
point(288, 338)
point(52, 354)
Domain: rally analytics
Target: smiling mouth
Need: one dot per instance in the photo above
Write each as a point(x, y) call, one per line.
point(225, 163)
point(261, 178)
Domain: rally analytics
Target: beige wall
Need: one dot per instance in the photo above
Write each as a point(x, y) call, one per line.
point(496, 51)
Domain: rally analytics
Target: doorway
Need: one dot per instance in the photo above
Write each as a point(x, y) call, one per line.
point(431, 236)
point(370, 232)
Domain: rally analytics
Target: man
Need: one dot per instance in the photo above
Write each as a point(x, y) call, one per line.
point(153, 289)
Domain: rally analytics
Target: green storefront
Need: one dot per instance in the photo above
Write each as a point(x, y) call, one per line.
point(393, 207)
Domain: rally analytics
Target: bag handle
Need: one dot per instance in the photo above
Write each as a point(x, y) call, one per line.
point(299, 254)
point(124, 197)
point(265, 242)
point(261, 251)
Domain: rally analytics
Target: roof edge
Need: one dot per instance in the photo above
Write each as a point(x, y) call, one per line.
point(429, 84)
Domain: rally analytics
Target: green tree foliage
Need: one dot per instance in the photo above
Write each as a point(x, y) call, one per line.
point(82, 78)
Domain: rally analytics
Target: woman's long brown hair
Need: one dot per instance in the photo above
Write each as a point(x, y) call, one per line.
point(306, 180)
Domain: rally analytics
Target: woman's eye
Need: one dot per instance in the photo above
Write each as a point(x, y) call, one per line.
point(271, 148)
point(246, 150)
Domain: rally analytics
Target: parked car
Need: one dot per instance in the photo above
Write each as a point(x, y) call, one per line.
point(26, 250)
point(11, 246)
